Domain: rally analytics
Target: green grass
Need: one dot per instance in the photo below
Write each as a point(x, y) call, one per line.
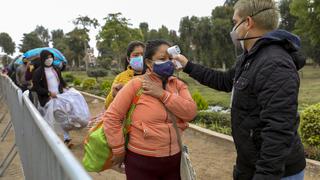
point(82, 75)
point(212, 96)
point(309, 87)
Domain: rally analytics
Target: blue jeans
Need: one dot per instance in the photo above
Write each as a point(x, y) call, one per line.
point(299, 176)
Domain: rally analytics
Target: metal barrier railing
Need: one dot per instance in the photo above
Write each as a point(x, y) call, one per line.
point(42, 153)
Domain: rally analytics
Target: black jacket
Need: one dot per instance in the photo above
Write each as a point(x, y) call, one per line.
point(40, 85)
point(264, 114)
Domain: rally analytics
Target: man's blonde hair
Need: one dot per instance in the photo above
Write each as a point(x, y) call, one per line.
point(265, 13)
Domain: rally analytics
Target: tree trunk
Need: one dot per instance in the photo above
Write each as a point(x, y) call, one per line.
point(78, 62)
point(85, 57)
point(119, 62)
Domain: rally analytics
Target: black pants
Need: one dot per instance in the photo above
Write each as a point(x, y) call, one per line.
point(152, 168)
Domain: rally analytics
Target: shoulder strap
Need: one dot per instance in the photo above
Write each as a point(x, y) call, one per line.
point(174, 121)
point(127, 121)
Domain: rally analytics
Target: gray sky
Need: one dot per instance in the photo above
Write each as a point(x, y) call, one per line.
point(22, 16)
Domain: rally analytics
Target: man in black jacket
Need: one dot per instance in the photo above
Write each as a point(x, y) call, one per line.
point(264, 83)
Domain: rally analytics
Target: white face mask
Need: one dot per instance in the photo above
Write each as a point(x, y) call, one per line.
point(48, 62)
point(234, 36)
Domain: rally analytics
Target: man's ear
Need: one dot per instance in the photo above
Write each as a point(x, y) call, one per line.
point(250, 22)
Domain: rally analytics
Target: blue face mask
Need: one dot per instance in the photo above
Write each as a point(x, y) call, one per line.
point(164, 69)
point(136, 63)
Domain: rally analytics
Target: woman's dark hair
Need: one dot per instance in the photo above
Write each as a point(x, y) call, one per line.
point(152, 46)
point(44, 55)
point(131, 46)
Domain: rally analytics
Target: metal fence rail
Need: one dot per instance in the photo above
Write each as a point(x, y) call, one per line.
point(43, 154)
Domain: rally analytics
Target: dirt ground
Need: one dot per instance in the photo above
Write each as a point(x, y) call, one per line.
point(212, 159)
point(14, 171)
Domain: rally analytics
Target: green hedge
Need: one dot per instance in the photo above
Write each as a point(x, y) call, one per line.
point(68, 77)
point(215, 121)
point(77, 82)
point(97, 72)
point(310, 125)
point(105, 87)
point(89, 83)
point(202, 104)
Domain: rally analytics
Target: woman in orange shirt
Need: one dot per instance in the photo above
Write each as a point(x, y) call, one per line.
point(153, 151)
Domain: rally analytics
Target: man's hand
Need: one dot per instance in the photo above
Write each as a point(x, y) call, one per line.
point(116, 89)
point(182, 59)
point(151, 88)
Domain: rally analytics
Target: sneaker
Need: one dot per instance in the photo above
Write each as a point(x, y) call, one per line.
point(68, 143)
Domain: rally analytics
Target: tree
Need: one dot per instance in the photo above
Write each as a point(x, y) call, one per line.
point(174, 38)
point(287, 19)
point(144, 27)
point(115, 35)
point(153, 34)
point(223, 52)
point(187, 28)
point(76, 41)
point(56, 36)
point(86, 23)
point(8, 46)
point(61, 42)
point(58, 39)
point(230, 3)
point(104, 62)
point(307, 25)
point(30, 41)
point(163, 33)
point(204, 42)
point(43, 35)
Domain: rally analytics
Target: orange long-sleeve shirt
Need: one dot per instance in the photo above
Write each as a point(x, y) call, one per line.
point(152, 132)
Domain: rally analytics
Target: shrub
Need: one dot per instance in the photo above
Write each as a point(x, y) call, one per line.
point(77, 82)
point(99, 72)
point(215, 121)
point(89, 83)
point(104, 62)
point(105, 87)
point(312, 152)
point(310, 125)
point(116, 71)
point(213, 117)
point(202, 104)
point(68, 77)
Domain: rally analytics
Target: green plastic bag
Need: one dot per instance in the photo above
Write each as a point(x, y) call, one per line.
point(97, 152)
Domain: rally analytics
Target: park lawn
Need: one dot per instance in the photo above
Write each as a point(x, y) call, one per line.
point(309, 87)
